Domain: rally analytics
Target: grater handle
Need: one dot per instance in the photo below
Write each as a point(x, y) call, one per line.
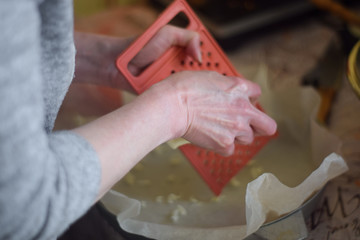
point(122, 62)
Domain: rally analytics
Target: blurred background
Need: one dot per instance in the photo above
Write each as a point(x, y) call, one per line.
point(289, 37)
point(230, 21)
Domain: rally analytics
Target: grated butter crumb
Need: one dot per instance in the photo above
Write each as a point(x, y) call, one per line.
point(172, 198)
point(139, 167)
point(144, 182)
point(194, 200)
point(177, 212)
point(256, 171)
point(130, 179)
point(171, 178)
point(235, 183)
point(217, 199)
point(159, 199)
point(174, 161)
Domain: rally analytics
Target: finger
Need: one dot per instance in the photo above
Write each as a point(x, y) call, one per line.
point(185, 38)
point(193, 48)
point(167, 37)
point(251, 89)
point(227, 151)
point(245, 137)
point(254, 90)
point(262, 123)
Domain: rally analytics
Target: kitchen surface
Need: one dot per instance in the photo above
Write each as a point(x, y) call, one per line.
point(305, 44)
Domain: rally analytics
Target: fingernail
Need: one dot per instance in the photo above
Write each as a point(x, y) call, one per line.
point(198, 52)
point(199, 58)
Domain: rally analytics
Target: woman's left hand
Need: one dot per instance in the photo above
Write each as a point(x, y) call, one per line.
point(165, 38)
point(96, 54)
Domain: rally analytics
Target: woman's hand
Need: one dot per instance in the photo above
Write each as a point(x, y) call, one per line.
point(215, 111)
point(96, 54)
point(165, 38)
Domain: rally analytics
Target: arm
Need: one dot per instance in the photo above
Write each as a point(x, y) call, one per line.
point(47, 180)
point(95, 59)
point(125, 136)
point(206, 108)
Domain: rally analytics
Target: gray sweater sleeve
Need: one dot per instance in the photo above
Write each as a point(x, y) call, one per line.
point(47, 180)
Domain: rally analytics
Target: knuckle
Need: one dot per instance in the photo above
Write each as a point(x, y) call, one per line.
point(227, 149)
point(240, 126)
point(249, 109)
point(213, 74)
point(167, 28)
point(227, 152)
point(246, 139)
point(249, 139)
point(226, 142)
point(245, 134)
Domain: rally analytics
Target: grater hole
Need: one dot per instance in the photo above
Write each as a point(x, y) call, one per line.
point(181, 20)
point(208, 64)
point(209, 54)
point(206, 162)
point(216, 64)
point(182, 62)
point(172, 71)
point(201, 43)
point(224, 74)
point(191, 63)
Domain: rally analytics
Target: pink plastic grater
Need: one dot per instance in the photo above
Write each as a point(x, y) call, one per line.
point(215, 169)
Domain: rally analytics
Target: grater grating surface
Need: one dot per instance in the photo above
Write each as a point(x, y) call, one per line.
point(216, 170)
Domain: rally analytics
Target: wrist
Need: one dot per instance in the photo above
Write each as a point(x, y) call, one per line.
point(172, 108)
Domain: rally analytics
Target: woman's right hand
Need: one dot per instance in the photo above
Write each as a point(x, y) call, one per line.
point(206, 108)
point(215, 111)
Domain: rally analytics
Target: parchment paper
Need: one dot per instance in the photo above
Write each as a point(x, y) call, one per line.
point(294, 110)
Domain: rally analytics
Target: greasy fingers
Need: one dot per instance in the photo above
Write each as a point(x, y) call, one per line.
point(246, 136)
point(244, 86)
point(193, 46)
point(167, 37)
point(226, 150)
point(183, 38)
point(262, 123)
point(218, 110)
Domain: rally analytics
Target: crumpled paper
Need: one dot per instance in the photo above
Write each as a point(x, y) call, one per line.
point(264, 195)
